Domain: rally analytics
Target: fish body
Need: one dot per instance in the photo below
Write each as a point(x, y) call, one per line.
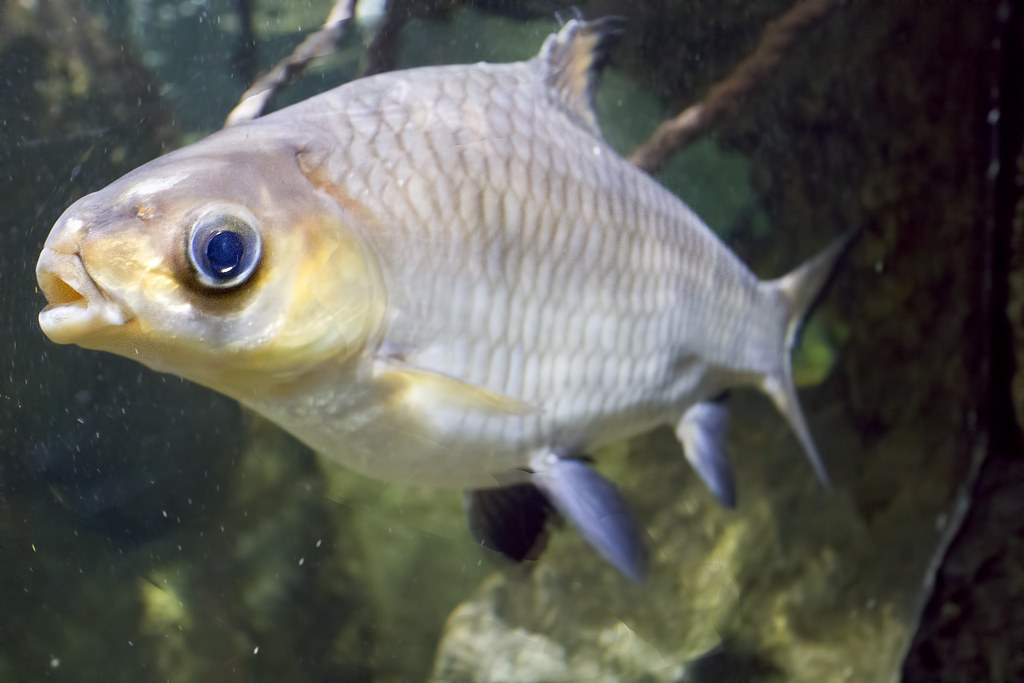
point(442, 276)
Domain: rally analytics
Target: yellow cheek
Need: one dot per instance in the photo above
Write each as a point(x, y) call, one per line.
point(132, 267)
point(335, 301)
point(317, 297)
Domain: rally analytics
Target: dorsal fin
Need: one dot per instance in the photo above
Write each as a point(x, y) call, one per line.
point(572, 60)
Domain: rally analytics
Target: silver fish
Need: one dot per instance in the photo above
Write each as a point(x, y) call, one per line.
point(441, 276)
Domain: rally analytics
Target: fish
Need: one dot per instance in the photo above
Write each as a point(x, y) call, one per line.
point(441, 276)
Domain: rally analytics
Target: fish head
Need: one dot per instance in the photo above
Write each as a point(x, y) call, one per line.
point(221, 262)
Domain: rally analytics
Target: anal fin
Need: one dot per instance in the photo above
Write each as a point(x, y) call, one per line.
point(594, 507)
point(702, 432)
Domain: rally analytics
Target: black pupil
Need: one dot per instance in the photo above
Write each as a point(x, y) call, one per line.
point(224, 252)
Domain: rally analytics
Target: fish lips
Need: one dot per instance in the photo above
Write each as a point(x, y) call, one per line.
point(76, 307)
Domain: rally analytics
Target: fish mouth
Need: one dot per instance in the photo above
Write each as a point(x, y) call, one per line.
point(76, 308)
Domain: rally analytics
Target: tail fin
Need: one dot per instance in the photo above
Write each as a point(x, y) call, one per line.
point(801, 288)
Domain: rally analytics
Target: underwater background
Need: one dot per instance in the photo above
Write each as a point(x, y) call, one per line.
point(151, 529)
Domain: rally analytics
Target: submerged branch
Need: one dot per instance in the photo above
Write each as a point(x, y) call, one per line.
point(382, 53)
point(674, 134)
point(321, 43)
point(243, 60)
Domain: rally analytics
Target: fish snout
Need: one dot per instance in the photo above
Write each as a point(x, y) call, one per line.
point(76, 307)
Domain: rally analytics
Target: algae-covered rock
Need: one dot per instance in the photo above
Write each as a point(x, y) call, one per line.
point(759, 589)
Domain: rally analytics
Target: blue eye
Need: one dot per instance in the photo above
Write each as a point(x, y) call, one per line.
point(224, 252)
point(223, 249)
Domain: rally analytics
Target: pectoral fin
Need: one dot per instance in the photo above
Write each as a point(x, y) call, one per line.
point(702, 432)
point(432, 387)
point(510, 519)
point(592, 504)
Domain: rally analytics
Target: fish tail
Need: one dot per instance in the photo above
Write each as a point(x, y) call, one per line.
point(801, 289)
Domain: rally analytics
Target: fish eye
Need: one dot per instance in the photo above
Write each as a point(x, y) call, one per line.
point(223, 249)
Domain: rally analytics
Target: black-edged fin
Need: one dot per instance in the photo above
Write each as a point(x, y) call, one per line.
point(702, 432)
point(572, 60)
point(511, 520)
point(802, 288)
point(593, 505)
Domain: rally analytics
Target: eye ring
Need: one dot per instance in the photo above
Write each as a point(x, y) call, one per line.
point(223, 248)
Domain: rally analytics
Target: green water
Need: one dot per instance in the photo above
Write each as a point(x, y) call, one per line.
point(149, 529)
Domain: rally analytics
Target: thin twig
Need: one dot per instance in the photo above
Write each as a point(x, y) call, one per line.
point(321, 43)
point(382, 53)
point(674, 134)
point(243, 61)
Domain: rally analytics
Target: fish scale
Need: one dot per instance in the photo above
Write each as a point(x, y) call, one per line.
point(585, 300)
point(446, 277)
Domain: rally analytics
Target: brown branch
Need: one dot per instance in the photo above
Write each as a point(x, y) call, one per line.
point(243, 60)
point(674, 134)
point(382, 53)
point(321, 43)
